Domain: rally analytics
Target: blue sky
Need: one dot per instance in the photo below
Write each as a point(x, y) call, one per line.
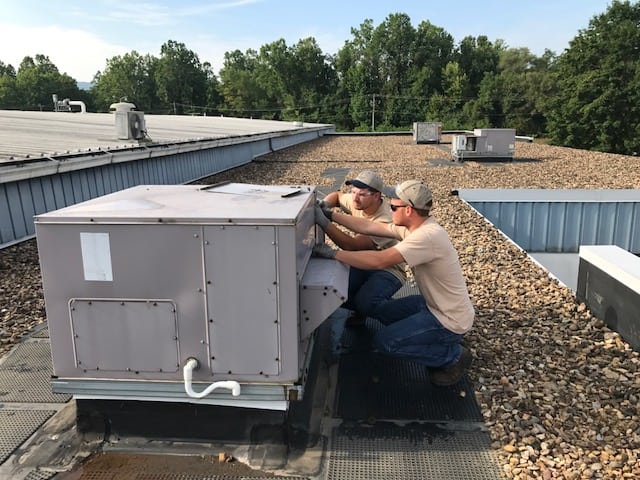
point(80, 35)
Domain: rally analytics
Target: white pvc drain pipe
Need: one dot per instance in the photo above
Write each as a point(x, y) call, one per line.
point(191, 365)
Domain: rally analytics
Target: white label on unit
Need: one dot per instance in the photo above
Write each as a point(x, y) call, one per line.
point(96, 256)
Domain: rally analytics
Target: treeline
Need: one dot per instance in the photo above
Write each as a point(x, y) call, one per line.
point(384, 78)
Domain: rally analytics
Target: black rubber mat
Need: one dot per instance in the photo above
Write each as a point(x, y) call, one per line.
point(416, 451)
point(372, 386)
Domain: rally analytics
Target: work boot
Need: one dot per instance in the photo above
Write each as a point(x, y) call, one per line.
point(447, 376)
point(355, 320)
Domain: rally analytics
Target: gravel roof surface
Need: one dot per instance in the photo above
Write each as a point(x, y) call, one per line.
point(559, 390)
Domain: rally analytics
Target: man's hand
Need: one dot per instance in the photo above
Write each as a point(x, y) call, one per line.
point(320, 217)
point(325, 251)
point(323, 204)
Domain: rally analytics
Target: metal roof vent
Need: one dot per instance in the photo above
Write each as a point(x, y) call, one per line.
point(130, 124)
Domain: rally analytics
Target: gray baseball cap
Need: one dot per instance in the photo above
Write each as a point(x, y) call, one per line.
point(367, 179)
point(412, 192)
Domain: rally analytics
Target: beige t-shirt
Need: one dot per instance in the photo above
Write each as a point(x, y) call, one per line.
point(382, 215)
point(436, 269)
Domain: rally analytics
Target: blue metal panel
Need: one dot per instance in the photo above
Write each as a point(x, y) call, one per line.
point(555, 235)
point(508, 212)
point(539, 227)
point(589, 227)
point(40, 194)
point(562, 220)
point(37, 193)
point(634, 242)
point(28, 208)
point(6, 224)
point(18, 221)
point(46, 184)
point(58, 191)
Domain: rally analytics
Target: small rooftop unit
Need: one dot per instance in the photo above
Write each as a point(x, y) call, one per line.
point(484, 144)
point(186, 294)
point(130, 124)
point(427, 132)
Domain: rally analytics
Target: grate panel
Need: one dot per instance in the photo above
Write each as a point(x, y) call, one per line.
point(419, 452)
point(25, 375)
point(16, 426)
point(39, 475)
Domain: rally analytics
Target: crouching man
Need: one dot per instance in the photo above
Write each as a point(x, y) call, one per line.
point(426, 328)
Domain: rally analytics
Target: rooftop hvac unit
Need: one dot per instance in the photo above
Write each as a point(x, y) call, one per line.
point(427, 132)
point(484, 144)
point(168, 285)
point(130, 125)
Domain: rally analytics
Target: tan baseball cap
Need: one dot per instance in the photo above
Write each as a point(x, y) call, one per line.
point(412, 192)
point(367, 179)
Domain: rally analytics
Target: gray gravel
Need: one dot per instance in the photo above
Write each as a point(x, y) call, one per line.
point(559, 390)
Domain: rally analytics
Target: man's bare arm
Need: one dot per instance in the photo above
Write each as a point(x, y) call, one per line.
point(362, 225)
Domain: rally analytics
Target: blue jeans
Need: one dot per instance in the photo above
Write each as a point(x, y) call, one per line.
point(412, 332)
point(370, 288)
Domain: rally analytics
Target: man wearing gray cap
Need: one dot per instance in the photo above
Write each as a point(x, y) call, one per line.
point(367, 287)
point(426, 328)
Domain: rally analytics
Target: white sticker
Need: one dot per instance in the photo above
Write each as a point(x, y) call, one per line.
point(96, 256)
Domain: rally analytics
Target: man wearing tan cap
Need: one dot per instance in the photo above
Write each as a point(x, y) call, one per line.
point(426, 328)
point(367, 288)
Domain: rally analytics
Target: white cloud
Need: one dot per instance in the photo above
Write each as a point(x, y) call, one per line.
point(75, 52)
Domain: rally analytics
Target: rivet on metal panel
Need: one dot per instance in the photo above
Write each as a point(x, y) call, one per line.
point(90, 302)
point(211, 320)
point(159, 220)
point(195, 235)
point(213, 358)
point(277, 359)
point(229, 372)
point(206, 242)
point(155, 304)
point(275, 321)
point(91, 220)
point(200, 290)
point(122, 303)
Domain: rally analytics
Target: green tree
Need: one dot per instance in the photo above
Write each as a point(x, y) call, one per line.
point(242, 92)
point(477, 57)
point(598, 80)
point(130, 78)
point(38, 79)
point(181, 79)
point(8, 92)
point(515, 96)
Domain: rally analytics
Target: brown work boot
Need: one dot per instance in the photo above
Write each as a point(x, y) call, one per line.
point(355, 320)
point(445, 377)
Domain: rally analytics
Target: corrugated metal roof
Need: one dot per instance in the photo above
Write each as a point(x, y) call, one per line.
point(26, 135)
point(541, 220)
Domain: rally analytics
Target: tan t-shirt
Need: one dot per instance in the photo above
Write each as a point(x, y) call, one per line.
point(382, 215)
point(436, 269)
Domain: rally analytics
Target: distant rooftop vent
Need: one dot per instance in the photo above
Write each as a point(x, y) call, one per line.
point(67, 105)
